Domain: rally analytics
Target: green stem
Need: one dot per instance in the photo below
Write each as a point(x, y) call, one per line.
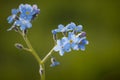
point(47, 56)
point(41, 62)
point(34, 54)
point(32, 50)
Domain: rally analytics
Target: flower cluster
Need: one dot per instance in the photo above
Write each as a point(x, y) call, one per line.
point(74, 38)
point(23, 16)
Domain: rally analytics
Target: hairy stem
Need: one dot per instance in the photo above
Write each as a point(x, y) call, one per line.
point(47, 56)
point(33, 52)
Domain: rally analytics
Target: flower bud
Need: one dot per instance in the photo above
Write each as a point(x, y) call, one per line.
point(19, 46)
point(41, 71)
point(54, 62)
point(82, 34)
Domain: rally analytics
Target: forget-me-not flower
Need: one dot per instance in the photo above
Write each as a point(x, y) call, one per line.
point(24, 24)
point(23, 16)
point(62, 46)
point(74, 38)
point(82, 44)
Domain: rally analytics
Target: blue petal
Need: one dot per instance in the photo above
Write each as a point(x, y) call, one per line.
point(15, 11)
point(28, 24)
point(54, 64)
point(67, 47)
point(22, 27)
point(54, 32)
point(10, 19)
point(71, 26)
point(61, 52)
point(82, 47)
point(60, 26)
point(56, 48)
point(79, 28)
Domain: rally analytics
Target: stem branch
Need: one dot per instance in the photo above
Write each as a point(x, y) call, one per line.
point(47, 56)
point(30, 48)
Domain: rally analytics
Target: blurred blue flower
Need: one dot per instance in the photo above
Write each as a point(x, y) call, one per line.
point(35, 10)
point(72, 26)
point(23, 16)
point(13, 16)
point(62, 46)
point(74, 38)
point(61, 28)
point(26, 11)
point(24, 24)
point(54, 31)
point(54, 62)
point(82, 44)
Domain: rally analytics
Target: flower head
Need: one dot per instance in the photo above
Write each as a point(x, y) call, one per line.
point(23, 16)
point(62, 46)
point(26, 11)
point(82, 44)
point(24, 24)
point(74, 38)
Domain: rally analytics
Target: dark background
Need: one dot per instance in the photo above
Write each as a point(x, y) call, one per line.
point(100, 60)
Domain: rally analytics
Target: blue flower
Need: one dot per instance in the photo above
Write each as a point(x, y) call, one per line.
point(13, 16)
point(61, 28)
point(26, 11)
point(24, 24)
point(78, 28)
point(54, 32)
point(71, 26)
point(73, 40)
point(23, 16)
point(62, 46)
point(54, 62)
point(82, 44)
point(35, 10)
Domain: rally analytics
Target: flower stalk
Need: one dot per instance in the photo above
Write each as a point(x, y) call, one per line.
point(33, 52)
point(47, 56)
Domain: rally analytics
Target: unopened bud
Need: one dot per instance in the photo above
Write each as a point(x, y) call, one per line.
point(54, 62)
point(82, 34)
point(54, 32)
point(19, 46)
point(41, 71)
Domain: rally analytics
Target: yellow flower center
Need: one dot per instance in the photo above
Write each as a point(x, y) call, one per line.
point(27, 13)
point(71, 41)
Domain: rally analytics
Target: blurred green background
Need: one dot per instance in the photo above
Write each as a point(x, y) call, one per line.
point(100, 60)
